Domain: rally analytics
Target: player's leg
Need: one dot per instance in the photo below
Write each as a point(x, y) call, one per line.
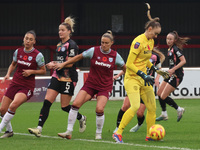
point(80, 99)
point(67, 91)
point(148, 97)
point(125, 106)
point(101, 103)
point(163, 115)
point(18, 100)
point(132, 87)
point(6, 101)
point(167, 90)
point(140, 117)
point(51, 94)
point(44, 112)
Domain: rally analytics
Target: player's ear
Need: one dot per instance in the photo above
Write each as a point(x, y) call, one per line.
point(150, 28)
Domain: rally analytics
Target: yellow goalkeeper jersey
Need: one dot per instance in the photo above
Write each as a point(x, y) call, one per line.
point(142, 47)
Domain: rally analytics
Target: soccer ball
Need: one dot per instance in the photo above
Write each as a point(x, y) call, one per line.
point(157, 132)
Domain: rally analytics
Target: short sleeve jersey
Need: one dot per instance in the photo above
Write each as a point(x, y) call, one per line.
point(174, 53)
point(142, 47)
point(63, 52)
point(27, 60)
point(101, 69)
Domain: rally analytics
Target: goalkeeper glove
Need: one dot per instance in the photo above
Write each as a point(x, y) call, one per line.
point(164, 74)
point(148, 80)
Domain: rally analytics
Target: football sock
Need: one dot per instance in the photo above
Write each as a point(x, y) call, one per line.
point(162, 104)
point(44, 113)
point(8, 126)
point(72, 118)
point(164, 113)
point(119, 117)
point(6, 119)
point(99, 122)
point(67, 109)
point(140, 120)
point(171, 102)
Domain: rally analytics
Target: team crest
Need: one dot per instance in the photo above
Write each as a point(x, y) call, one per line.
point(110, 59)
point(30, 58)
point(63, 49)
point(137, 44)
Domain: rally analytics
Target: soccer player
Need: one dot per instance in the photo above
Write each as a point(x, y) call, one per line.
point(156, 59)
point(176, 62)
point(99, 81)
point(136, 81)
point(29, 62)
point(63, 81)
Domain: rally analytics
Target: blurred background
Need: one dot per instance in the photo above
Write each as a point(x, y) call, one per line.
point(126, 19)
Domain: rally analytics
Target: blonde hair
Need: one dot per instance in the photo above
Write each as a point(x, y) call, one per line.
point(109, 35)
point(160, 54)
point(153, 22)
point(69, 23)
point(179, 41)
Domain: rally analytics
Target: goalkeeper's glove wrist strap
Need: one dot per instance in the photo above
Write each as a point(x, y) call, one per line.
point(141, 74)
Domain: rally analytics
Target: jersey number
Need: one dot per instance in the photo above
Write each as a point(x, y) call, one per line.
point(67, 87)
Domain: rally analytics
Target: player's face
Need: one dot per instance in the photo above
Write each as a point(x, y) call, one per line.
point(63, 32)
point(29, 41)
point(170, 40)
point(153, 32)
point(106, 43)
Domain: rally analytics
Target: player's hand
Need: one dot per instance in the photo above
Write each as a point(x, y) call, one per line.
point(115, 77)
point(148, 80)
point(164, 74)
point(51, 65)
point(7, 77)
point(26, 73)
point(59, 66)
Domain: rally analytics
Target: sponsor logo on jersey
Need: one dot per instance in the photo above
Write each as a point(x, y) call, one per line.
point(137, 44)
point(102, 64)
point(24, 63)
point(30, 58)
point(60, 58)
point(147, 52)
point(71, 52)
point(178, 54)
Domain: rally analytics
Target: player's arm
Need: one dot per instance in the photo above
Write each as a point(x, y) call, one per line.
point(12, 66)
point(10, 70)
point(69, 62)
point(40, 71)
point(179, 65)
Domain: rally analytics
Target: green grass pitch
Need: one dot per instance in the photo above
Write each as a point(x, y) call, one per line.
point(183, 135)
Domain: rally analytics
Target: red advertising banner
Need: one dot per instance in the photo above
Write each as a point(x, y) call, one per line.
point(39, 91)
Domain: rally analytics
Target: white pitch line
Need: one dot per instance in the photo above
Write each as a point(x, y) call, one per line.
point(109, 142)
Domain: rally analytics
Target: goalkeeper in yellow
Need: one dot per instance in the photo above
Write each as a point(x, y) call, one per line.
point(136, 82)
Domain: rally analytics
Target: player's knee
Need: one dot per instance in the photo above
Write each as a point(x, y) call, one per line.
point(125, 107)
point(140, 114)
point(99, 109)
